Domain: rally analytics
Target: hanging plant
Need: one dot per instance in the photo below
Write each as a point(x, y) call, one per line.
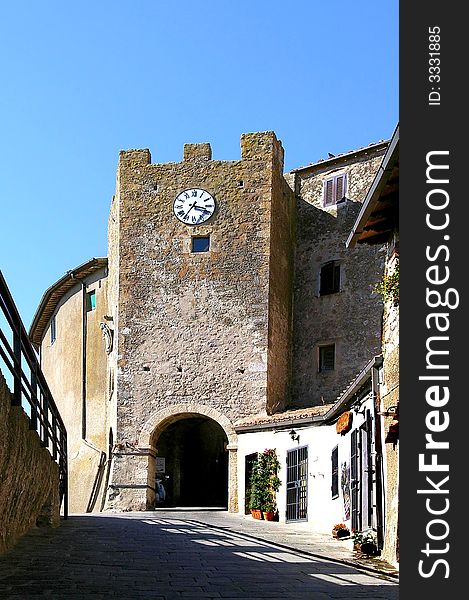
point(388, 287)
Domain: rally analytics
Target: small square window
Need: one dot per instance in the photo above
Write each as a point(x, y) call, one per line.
point(329, 278)
point(91, 300)
point(326, 358)
point(53, 330)
point(335, 189)
point(201, 243)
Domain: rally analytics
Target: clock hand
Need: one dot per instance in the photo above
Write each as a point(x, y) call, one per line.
point(201, 208)
point(189, 210)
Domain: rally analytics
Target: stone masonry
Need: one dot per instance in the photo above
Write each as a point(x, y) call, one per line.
point(29, 478)
point(218, 336)
point(351, 318)
point(209, 329)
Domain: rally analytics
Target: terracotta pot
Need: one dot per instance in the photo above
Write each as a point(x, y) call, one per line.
point(256, 513)
point(269, 516)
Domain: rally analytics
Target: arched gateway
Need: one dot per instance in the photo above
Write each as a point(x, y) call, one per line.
point(192, 452)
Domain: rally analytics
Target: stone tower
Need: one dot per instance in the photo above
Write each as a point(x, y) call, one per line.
point(201, 312)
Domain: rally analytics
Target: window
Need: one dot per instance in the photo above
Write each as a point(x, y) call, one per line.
point(201, 243)
point(334, 189)
point(335, 472)
point(91, 300)
point(53, 330)
point(326, 358)
point(329, 278)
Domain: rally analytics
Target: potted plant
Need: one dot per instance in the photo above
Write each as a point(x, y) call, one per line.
point(269, 510)
point(255, 498)
point(365, 542)
point(265, 485)
point(269, 466)
point(340, 530)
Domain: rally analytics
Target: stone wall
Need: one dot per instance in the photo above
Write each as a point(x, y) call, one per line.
point(350, 318)
point(194, 327)
point(390, 398)
point(29, 478)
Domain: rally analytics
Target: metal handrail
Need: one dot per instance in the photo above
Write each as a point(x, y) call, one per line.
point(30, 389)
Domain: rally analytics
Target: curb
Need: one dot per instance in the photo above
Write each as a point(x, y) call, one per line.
point(394, 577)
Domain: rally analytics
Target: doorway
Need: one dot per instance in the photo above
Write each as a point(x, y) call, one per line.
point(362, 475)
point(192, 463)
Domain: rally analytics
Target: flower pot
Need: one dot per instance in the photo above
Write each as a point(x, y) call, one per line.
point(341, 533)
point(369, 548)
point(269, 516)
point(256, 513)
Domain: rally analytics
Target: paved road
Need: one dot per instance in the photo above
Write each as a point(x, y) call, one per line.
point(165, 556)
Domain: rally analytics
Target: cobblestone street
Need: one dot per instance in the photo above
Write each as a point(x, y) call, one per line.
point(168, 555)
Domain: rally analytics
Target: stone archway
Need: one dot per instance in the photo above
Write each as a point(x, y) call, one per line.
point(172, 430)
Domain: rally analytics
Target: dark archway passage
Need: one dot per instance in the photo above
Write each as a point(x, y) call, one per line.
point(195, 463)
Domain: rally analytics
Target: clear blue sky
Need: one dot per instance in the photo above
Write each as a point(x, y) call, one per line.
point(83, 80)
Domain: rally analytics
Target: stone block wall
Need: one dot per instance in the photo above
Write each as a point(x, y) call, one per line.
point(29, 478)
point(350, 318)
point(210, 328)
point(390, 398)
point(195, 326)
point(282, 252)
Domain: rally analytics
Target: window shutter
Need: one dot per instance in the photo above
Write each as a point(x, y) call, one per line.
point(334, 189)
point(326, 279)
point(329, 192)
point(335, 472)
point(339, 192)
point(336, 287)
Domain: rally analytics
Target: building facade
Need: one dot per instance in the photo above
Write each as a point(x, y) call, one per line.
point(228, 313)
point(378, 223)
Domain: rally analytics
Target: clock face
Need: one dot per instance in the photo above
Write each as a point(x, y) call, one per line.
point(194, 206)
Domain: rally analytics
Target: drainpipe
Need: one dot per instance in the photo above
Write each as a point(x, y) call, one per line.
point(83, 361)
point(379, 465)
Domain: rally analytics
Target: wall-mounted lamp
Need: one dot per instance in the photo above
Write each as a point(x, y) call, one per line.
point(359, 410)
point(294, 436)
point(392, 411)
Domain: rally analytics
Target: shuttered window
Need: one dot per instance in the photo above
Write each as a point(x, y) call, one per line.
point(326, 358)
point(335, 472)
point(91, 300)
point(335, 189)
point(329, 278)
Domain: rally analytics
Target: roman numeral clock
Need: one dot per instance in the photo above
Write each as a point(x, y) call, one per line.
point(194, 206)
